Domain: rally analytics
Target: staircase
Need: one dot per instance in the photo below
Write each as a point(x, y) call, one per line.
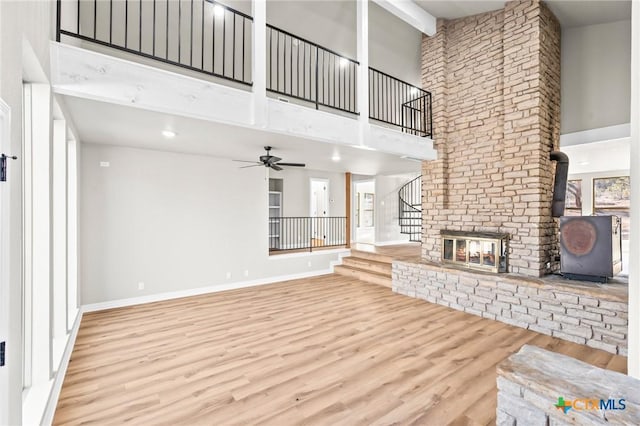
point(370, 267)
point(410, 209)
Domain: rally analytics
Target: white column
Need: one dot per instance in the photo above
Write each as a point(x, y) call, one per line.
point(59, 239)
point(363, 69)
point(259, 62)
point(72, 232)
point(634, 254)
point(41, 233)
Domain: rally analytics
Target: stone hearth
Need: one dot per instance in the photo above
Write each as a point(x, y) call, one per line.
point(582, 312)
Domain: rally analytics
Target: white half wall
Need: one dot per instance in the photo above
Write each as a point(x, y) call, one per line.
point(174, 222)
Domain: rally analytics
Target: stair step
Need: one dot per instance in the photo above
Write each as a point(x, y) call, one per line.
point(383, 268)
point(363, 275)
point(377, 257)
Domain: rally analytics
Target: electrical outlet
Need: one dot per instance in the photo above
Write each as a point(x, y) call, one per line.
point(2, 353)
point(246, 273)
point(228, 275)
point(309, 263)
point(140, 285)
point(104, 164)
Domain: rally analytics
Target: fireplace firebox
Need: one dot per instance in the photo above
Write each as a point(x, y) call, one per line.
point(486, 251)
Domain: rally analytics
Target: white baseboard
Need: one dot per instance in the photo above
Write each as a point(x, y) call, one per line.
point(52, 403)
point(120, 303)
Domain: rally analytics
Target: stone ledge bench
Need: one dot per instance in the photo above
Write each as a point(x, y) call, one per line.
point(531, 381)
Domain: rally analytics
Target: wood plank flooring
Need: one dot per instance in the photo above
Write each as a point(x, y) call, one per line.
point(328, 350)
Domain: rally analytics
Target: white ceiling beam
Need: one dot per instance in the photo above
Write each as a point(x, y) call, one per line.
point(411, 13)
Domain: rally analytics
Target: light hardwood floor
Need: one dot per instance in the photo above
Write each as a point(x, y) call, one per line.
point(328, 350)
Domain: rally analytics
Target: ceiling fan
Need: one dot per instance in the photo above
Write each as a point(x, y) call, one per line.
point(270, 161)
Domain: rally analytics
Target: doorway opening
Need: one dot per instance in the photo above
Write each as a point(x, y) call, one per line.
point(364, 218)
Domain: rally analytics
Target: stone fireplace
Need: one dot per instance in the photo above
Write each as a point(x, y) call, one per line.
point(495, 82)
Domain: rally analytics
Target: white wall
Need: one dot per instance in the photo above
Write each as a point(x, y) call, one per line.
point(25, 31)
point(595, 76)
point(395, 47)
point(329, 23)
point(386, 219)
point(175, 222)
point(296, 188)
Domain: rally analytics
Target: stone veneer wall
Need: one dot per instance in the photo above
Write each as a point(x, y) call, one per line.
point(530, 382)
point(582, 314)
point(495, 81)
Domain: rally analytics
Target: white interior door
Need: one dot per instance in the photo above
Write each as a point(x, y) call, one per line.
point(5, 121)
point(319, 209)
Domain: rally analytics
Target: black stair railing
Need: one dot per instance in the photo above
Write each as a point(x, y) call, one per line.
point(410, 209)
point(304, 70)
point(306, 233)
point(199, 35)
point(399, 103)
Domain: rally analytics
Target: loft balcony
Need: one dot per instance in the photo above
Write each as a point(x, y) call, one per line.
point(206, 60)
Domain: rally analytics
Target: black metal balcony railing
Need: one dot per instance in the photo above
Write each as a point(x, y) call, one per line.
point(209, 37)
point(200, 35)
point(399, 103)
point(306, 233)
point(304, 70)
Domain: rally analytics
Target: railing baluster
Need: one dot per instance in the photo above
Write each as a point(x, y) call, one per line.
point(95, 18)
point(202, 36)
point(233, 51)
point(126, 23)
point(316, 94)
point(153, 48)
point(140, 25)
point(243, 37)
point(213, 39)
point(191, 36)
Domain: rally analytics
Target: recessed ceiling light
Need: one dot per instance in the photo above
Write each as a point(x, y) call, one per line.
point(335, 157)
point(344, 62)
point(218, 10)
point(584, 163)
point(414, 90)
point(168, 134)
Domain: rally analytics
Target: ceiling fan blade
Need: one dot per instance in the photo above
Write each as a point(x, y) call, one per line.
point(245, 161)
point(253, 165)
point(275, 167)
point(273, 159)
point(292, 164)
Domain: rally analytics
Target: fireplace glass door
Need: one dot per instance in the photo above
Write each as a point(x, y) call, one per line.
point(475, 250)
